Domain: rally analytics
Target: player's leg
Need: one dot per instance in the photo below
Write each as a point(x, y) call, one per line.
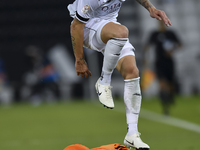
point(115, 37)
point(166, 78)
point(113, 30)
point(132, 99)
point(164, 95)
point(171, 82)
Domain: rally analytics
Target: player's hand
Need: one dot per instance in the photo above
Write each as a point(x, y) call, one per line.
point(82, 69)
point(160, 15)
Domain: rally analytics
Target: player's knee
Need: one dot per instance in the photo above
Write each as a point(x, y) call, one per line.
point(122, 32)
point(132, 72)
point(112, 30)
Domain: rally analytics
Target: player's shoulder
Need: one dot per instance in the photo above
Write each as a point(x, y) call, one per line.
point(171, 31)
point(154, 33)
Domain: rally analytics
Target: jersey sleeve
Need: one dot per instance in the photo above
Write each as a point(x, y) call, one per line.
point(85, 9)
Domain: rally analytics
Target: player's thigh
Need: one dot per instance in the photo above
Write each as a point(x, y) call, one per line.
point(127, 67)
point(113, 30)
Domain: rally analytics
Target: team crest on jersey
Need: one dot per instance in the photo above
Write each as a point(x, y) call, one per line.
point(85, 8)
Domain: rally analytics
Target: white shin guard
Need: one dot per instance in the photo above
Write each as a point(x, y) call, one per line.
point(111, 56)
point(112, 52)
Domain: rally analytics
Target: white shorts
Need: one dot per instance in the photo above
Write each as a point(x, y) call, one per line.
point(92, 37)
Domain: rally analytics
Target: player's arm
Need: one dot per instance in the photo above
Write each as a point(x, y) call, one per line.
point(77, 32)
point(155, 13)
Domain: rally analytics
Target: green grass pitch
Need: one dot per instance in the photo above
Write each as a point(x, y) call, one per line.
point(55, 126)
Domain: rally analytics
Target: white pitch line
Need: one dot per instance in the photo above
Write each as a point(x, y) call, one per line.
point(146, 114)
point(170, 120)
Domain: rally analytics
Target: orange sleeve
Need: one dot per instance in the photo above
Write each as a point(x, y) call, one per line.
point(76, 147)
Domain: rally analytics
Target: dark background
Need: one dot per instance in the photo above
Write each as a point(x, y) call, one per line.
point(43, 23)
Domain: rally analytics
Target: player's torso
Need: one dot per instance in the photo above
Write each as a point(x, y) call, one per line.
point(111, 7)
point(101, 8)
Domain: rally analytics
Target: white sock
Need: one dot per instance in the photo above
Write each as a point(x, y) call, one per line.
point(132, 100)
point(111, 55)
point(105, 78)
point(132, 127)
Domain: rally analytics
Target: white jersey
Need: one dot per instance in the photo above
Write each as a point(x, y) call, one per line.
point(84, 10)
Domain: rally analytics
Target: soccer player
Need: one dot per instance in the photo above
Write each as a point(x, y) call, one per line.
point(95, 26)
point(166, 42)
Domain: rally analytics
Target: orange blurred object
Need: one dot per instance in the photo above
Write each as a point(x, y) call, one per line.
point(115, 146)
point(148, 76)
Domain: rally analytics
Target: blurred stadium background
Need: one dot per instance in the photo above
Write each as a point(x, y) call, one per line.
point(37, 69)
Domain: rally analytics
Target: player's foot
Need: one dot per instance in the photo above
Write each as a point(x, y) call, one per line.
point(134, 141)
point(104, 94)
